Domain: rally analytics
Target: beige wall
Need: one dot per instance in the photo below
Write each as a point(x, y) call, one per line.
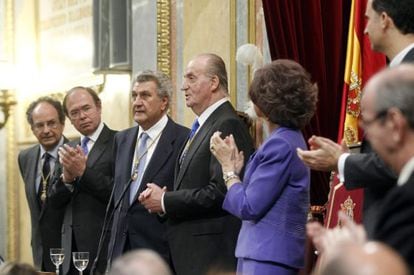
point(208, 26)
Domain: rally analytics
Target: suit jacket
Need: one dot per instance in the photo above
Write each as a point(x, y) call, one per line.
point(133, 226)
point(86, 205)
point(46, 221)
point(200, 233)
point(273, 228)
point(368, 171)
point(396, 221)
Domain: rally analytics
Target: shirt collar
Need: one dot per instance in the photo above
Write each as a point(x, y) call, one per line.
point(156, 129)
point(95, 135)
point(54, 151)
point(207, 112)
point(406, 172)
point(400, 56)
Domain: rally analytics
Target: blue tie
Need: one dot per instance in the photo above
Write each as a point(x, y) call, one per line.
point(141, 157)
point(84, 145)
point(194, 129)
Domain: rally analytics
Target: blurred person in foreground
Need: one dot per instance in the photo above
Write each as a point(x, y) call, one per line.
point(140, 262)
point(388, 121)
point(17, 269)
point(273, 198)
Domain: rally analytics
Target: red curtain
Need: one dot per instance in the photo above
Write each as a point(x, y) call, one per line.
point(313, 33)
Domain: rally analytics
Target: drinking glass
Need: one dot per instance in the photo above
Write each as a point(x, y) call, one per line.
point(57, 255)
point(80, 260)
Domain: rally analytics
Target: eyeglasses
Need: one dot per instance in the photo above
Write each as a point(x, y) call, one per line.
point(51, 124)
point(380, 115)
point(87, 110)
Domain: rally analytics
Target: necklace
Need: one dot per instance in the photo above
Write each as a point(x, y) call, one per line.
point(44, 186)
point(134, 175)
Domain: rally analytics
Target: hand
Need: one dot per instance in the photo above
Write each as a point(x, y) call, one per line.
point(150, 198)
point(226, 152)
point(328, 240)
point(324, 154)
point(73, 160)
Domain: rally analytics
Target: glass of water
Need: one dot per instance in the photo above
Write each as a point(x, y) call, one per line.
point(57, 255)
point(80, 260)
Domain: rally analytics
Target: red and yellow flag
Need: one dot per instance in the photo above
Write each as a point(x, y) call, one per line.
point(361, 64)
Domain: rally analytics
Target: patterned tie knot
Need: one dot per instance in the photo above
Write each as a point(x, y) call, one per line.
point(194, 128)
point(84, 144)
point(46, 157)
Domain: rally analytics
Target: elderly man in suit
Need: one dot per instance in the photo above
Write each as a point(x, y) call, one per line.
point(199, 229)
point(391, 31)
point(39, 165)
point(86, 182)
point(388, 120)
point(144, 154)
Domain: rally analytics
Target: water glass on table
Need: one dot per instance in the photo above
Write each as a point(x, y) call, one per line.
point(57, 255)
point(80, 260)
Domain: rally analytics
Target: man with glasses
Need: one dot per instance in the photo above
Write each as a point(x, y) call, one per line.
point(86, 182)
point(388, 121)
point(39, 166)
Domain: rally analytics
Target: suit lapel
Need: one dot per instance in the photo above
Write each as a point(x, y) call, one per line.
point(409, 57)
point(201, 137)
point(161, 154)
point(99, 147)
point(32, 164)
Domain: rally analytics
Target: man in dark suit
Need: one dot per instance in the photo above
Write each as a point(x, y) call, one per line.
point(86, 183)
point(391, 31)
point(388, 120)
point(202, 236)
point(39, 165)
point(133, 226)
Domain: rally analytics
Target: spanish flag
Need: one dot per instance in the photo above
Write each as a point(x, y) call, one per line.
point(361, 64)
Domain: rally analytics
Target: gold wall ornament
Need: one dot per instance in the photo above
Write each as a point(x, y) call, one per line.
point(163, 36)
point(6, 102)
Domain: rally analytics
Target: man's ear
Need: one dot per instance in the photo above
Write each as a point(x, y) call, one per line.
point(214, 82)
point(386, 21)
point(398, 124)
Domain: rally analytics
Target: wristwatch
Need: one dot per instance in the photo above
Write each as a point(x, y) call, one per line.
point(229, 175)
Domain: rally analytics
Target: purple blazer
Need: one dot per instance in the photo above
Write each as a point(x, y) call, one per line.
point(273, 201)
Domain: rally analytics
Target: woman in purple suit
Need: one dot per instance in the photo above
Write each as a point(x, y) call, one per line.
point(273, 198)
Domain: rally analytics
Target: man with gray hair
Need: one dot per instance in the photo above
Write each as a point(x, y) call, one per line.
point(388, 121)
point(144, 154)
point(140, 262)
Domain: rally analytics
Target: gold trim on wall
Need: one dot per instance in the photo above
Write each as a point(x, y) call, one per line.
point(12, 188)
point(233, 46)
point(163, 36)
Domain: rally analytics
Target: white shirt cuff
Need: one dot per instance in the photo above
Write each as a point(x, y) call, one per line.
point(341, 166)
point(162, 204)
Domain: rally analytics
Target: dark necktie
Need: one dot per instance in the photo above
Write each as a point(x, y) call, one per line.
point(194, 129)
point(44, 179)
point(84, 145)
point(140, 159)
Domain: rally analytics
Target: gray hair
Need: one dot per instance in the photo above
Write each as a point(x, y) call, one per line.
point(217, 67)
point(140, 262)
point(397, 92)
point(164, 85)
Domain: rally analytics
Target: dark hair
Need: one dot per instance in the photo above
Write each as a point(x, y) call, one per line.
point(55, 103)
point(17, 269)
point(401, 12)
point(216, 66)
point(164, 85)
point(90, 91)
point(283, 91)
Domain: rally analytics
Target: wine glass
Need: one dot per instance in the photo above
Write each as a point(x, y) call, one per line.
point(80, 260)
point(57, 255)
